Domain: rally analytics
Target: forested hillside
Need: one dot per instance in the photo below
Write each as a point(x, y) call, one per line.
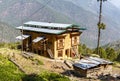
point(115, 45)
point(7, 33)
point(81, 12)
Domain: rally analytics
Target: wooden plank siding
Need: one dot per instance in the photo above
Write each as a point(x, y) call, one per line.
point(41, 45)
point(56, 43)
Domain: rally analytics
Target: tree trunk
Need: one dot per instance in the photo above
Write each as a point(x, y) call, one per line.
point(99, 30)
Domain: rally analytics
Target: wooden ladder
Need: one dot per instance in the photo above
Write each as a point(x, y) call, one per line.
point(50, 53)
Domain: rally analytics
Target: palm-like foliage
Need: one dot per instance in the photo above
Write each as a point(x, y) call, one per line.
point(100, 25)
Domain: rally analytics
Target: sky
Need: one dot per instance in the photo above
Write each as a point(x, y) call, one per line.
point(115, 2)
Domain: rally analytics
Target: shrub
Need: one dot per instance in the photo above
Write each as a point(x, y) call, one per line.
point(45, 77)
point(54, 77)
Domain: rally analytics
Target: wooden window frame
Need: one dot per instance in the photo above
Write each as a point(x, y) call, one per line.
point(60, 43)
point(60, 53)
point(75, 40)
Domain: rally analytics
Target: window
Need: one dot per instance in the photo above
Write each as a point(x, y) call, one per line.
point(60, 53)
point(75, 40)
point(60, 43)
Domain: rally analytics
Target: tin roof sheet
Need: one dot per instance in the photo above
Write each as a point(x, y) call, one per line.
point(38, 39)
point(46, 24)
point(90, 62)
point(84, 66)
point(102, 61)
point(43, 30)
point(22, 37)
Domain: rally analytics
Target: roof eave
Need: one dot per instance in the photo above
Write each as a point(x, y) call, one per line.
point(73, 26)
point(82, 28)
point(42, 32)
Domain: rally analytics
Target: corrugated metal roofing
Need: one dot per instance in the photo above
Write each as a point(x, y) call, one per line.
point(43, 30)
point(38, 39)
point(102, 61)
point(46, 24)
point(22, 37)
point(90, 62)
point(84, 66)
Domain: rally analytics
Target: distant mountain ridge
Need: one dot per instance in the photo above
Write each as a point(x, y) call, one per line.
point(115, 45)
point(81, 12)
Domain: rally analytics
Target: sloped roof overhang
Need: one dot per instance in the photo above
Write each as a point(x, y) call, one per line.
point(42, 30)
point(22, 37)
point(49, 25)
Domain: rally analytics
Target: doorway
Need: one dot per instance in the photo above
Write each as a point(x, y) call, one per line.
point(67, 52)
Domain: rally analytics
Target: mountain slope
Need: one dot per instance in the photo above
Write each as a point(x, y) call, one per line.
point(115, 45)
point(14, 13)
point(7, 33)
point(82, 12)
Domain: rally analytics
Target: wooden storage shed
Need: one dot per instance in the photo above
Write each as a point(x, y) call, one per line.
point(51, 39)
point(93, 67)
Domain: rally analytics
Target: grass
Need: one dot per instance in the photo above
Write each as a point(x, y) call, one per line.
point(8, 71)
point(116, 63)
point(45, 76)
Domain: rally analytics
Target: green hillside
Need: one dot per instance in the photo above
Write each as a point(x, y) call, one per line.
point(8, 71)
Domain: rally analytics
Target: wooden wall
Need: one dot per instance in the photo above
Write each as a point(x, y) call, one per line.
point(39, 46)
point(68, 45)
point(52, 43)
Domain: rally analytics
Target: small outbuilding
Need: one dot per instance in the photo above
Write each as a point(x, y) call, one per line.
point(93, 67)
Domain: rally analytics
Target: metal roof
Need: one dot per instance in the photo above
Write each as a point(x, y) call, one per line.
point(46, 24)
point(38, 39)
point(84, 66)
point(43, 30)
point(87, 63)
point(22, 37)
point(102, 61)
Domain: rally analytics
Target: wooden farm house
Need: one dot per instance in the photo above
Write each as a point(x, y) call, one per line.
point(51, 39)
point(93, 67)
